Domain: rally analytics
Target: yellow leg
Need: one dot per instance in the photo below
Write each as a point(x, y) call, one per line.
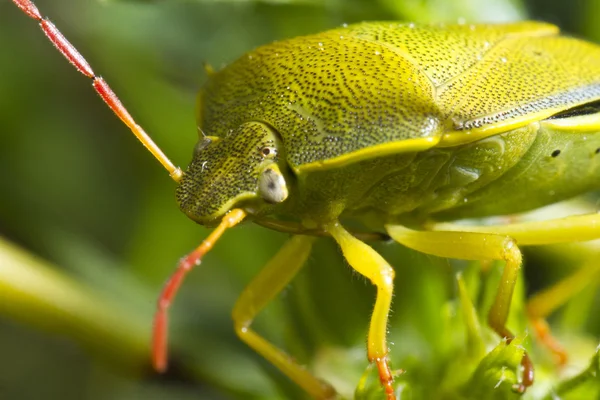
point(543, 303)
point(273, 278)
point(475, 246)
point(577, 228)
point(369, 263)
point(564, 230)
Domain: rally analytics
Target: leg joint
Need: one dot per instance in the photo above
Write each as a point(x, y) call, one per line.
point(241, 327)
point(511, 252)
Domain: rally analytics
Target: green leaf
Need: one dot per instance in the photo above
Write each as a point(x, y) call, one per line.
point(585, 385)
point(497, 374)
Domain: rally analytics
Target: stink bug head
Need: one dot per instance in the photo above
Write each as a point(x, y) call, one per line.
point(243, 168)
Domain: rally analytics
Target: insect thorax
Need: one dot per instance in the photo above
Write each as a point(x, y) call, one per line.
point(512, 172)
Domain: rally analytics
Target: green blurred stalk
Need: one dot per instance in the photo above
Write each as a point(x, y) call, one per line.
point(35, 292)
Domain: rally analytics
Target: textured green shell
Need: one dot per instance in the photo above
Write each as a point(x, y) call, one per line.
point(336, 95)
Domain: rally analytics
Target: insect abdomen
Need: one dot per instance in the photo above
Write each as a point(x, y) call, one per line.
point(557, 166)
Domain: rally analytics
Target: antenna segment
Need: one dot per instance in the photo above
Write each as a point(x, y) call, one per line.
point(99, 84)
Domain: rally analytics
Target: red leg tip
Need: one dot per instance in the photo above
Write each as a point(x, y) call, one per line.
point(519, 388)
point(528, 372)
point(527, 377)
point(386, 378)
point(159, 343)
point(160, 365)
point(542, 330)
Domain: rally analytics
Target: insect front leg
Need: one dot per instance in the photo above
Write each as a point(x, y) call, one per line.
point(370, 264)
point(476, 246)
point(161, 323)
point(262, 289)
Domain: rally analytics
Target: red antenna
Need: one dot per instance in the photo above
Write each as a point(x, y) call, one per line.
point(99, 84)
point(234, 217)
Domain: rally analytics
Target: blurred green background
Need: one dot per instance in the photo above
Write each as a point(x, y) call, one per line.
point(89, 229)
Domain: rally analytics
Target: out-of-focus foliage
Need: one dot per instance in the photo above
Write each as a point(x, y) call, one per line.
point(412, 10)
point(90, 228)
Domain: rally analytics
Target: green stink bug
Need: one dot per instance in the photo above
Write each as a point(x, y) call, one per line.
point(299, 134)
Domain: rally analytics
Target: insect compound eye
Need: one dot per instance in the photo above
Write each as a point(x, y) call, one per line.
point(269, 152)
point(272, 186)
point(201, 145)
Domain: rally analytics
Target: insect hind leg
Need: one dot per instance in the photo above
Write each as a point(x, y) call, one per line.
point(544, 302)
point(570, 229)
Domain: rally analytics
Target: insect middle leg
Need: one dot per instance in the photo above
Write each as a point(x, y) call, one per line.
point(370, 264)
point(476, 246)
point(262, 289)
